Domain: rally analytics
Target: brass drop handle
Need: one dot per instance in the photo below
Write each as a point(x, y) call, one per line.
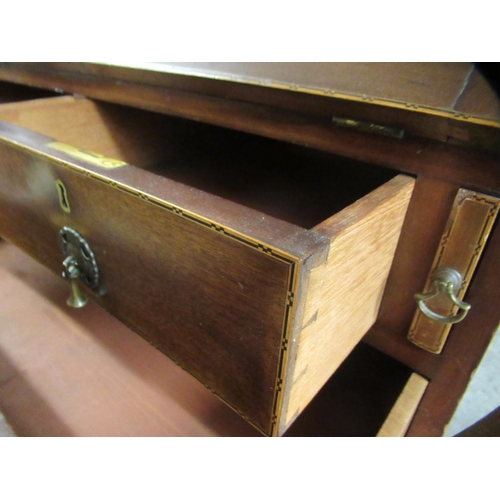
point(448, 281)
point(79, 265)
point(71, 272)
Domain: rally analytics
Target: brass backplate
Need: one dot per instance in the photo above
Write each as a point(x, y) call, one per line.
point(466, 232)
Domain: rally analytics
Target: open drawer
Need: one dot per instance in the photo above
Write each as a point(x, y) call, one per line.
point(255, 265)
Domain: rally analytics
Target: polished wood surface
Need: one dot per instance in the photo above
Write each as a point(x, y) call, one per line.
point(450, 371)
point(450, 141)
point(265, 175)
point(221, 100)
point(269, 118)
point(427, 215)
point(80, 372)
point(191, 281)
point(432, 84)
point(479, 98)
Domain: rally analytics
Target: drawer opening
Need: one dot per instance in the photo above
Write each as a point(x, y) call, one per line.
point(357, 401)
point(11, 93)
point(292, 183)
point(289, 182)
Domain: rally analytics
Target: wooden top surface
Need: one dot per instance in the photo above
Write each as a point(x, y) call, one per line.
point(455, 87)
point(450, 102)
point(450, 87)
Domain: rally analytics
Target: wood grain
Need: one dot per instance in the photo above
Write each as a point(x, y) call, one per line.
point(303, 119)
point(430, 84)
point(127, 134)
point(404, 409)
point(427, 215)
point(69, 372)
point(177, 283)
point(449, 372)
point(417, 96)
point(344, 293)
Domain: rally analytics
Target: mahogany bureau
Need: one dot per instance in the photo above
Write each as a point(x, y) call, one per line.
point(269, 225)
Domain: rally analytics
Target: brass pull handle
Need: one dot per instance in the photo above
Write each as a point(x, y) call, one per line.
point(71, 272)
point(447, 281)
point(79, 264)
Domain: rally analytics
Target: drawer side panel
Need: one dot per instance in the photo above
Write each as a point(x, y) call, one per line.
point(344, 292)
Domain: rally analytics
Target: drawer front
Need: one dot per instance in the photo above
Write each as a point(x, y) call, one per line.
point(217, 302)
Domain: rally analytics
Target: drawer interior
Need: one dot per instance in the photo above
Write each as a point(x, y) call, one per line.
point(10, 93)
point(358, 399)
point(289, 182)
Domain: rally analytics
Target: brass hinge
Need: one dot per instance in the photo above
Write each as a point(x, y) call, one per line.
point(372, 128)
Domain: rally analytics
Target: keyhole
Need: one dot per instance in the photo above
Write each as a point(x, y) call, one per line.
point(63, 196)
